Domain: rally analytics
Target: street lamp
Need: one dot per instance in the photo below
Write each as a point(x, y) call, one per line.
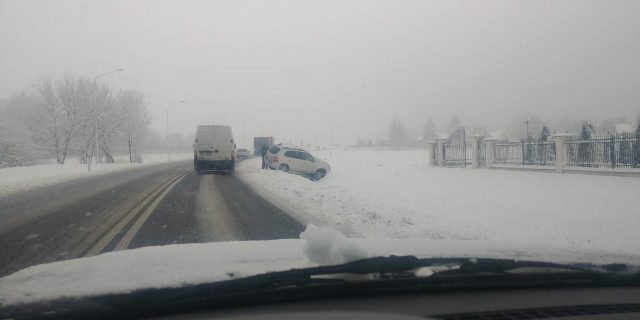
point(167, 135)
point(95, 114)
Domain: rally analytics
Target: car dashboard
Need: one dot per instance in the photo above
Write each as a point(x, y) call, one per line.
point(563, 303)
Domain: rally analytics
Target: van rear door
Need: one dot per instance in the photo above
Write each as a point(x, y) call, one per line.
point(215, 143)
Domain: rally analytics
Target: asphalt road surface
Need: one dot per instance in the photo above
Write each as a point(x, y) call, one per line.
point(154, 205)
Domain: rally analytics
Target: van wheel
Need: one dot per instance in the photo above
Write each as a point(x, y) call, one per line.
point(319, 174)
point(284, 167)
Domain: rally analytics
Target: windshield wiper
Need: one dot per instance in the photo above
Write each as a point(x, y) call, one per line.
point(377, 275)
point(451, 266)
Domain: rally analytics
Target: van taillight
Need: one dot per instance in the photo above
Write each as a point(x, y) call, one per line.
point(275, 159)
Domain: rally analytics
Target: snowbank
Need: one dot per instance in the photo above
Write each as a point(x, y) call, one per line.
point(393, 194)
point(17, 179)
point(190, 264)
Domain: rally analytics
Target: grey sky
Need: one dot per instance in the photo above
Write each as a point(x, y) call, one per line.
point(300, 69)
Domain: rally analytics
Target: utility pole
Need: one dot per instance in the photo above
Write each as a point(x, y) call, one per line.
point(95, 115)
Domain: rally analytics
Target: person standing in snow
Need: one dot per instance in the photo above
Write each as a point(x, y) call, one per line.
point(263, 153)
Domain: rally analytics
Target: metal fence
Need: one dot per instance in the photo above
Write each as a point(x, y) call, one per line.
point(468, 159)
point(456, 150)
point(482, 154)
point(525, 153)
point(620, 150)
point(457, 155)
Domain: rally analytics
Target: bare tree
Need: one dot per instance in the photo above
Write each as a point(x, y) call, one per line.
point(49, 121)
point(110, 121)
point(16, 144)
point(135, 118)
point(76, 95)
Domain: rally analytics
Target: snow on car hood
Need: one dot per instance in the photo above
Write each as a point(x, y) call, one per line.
point(190, 264)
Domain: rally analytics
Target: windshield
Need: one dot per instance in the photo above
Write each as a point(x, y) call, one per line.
point(214, 140)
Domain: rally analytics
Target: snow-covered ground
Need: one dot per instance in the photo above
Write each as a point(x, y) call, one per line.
point(393, 194)
point(26, 178)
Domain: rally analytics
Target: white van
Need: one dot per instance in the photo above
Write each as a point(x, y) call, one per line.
point(214, 148)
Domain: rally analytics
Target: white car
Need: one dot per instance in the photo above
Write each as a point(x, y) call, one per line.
point(242, 153)
point(296, 160)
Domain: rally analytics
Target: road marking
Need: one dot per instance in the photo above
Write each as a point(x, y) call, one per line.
point(216, 220)
point(107, 238)
point(128, 237)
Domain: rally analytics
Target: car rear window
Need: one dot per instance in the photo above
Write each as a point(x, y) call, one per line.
point(274, 149)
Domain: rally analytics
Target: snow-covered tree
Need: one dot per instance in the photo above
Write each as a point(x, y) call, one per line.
point(76, 96)
point(398, 135)
point(585, 148)
point(16, 144)
point(135, 118)
point(429, 130)
point(454, 124)
point(53, 123)
point(545, 133)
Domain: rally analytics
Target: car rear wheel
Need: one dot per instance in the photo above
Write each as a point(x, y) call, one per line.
point(319, 174)
point(284, 167)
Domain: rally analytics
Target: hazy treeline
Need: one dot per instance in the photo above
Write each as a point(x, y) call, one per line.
point(399, 136)
point(56, 118)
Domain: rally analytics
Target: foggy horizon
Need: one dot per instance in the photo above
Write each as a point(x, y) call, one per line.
point(347, 67)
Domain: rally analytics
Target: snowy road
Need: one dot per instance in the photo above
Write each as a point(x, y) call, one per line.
point(154, 205)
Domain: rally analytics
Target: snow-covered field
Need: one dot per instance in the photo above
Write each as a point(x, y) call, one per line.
point(393, 194)
point(25, 178)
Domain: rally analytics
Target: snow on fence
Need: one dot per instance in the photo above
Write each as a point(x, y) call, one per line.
point(525, 152)
point(603, 152)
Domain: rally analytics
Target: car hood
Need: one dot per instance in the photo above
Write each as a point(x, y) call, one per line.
point(190, 264)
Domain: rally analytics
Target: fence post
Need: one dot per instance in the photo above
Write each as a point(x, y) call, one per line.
point(440, 151)
point(433, 153)
point(491, 145)
point(560, 140)
point(612, 151)
point(475, 148)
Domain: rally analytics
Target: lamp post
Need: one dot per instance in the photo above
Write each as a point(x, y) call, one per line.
point(167, 135)
point(95, 114)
